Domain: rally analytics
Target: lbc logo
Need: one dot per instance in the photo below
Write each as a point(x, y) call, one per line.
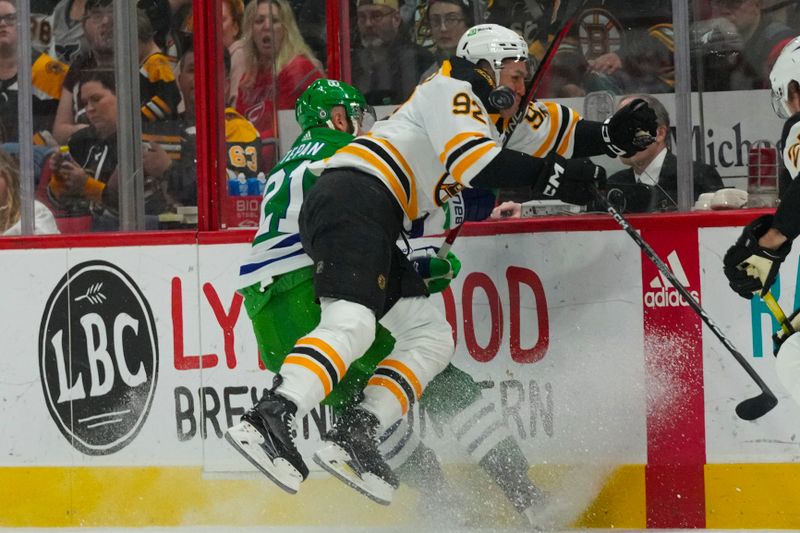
point(98, 357)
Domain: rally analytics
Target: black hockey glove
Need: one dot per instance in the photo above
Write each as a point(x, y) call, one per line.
point(630, 130)
point(569, 180)
point(749, 267)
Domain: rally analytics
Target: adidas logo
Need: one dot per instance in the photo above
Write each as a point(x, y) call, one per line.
point(662, 293)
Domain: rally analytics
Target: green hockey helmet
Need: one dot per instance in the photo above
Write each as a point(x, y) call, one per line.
point(313, 108)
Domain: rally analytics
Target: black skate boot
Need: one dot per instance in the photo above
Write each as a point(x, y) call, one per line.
point(352, 456)
point(265, 436)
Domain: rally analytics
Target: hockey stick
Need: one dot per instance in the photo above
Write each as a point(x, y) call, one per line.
point(444, 249)
point(538, 76)
point(749, 409)
point(777, 312)
point(536, 81)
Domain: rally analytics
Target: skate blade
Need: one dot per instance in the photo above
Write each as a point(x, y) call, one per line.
point(248, 441)
point(334, 460)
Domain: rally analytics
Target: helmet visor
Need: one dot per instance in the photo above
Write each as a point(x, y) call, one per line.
point(363, 118)
point(779, 105)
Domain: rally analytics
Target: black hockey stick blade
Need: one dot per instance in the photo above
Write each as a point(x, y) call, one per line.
point(749, 409)
point(756, 407)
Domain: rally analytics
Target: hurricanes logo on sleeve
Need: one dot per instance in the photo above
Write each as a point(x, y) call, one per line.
point(98, 357)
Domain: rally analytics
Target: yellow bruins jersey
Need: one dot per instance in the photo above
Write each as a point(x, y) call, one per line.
point(243, 144)
point(160, 95)
point(442, 137)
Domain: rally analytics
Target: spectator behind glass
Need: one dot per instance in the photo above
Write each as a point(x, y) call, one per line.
point(85, 181)
point(67, 26)
point(655, 170)
point(762, 40)
point(10, 202)
point(178, 169)
point(42, 25)
point(387, 65)
point(615, 45)
point(80, 182)
point(48, 77)
point(68, 29)
point(158, 90)
point(232, 17)
point(448, 20)
point(237, 52)
point(98, 29)
point(181, 26)
point(273, 44)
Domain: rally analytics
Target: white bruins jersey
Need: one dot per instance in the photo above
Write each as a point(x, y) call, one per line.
point(442, 137)
point(791, 150)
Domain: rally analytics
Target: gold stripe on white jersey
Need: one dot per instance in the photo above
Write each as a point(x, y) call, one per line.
point(464, 150)
point(397, 184)
point(457, 140)
point(467, 161)
point(566, 142)
point(554, 112)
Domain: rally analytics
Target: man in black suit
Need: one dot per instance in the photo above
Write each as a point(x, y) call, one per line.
point(651, 184)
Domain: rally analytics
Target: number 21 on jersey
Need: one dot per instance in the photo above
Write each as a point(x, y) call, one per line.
point(283, 196)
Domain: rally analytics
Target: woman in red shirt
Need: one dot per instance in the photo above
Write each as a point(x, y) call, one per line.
point(279, 66)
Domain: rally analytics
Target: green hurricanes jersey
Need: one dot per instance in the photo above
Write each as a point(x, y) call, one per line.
point(276, 248)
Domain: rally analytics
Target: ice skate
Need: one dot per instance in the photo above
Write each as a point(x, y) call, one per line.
point(352, 456)
point(264, 436)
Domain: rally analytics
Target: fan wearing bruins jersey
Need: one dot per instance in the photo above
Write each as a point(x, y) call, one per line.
point(172, 144)
point(441, 140)
point(158, 90)
point(752, 263)
point(48, 76)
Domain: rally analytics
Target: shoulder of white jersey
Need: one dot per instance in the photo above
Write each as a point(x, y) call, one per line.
point(791, 150)
point(442, 79)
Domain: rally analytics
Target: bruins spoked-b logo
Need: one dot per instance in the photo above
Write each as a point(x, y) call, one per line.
point(98, 357)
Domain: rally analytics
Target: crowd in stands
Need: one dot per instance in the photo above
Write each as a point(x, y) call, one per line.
point(274, 49)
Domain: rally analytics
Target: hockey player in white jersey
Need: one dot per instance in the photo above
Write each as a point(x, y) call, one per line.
point(752, 263)
point(446, 137)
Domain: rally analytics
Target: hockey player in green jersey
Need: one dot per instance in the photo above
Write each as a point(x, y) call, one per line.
point(276, 280)
point(443, 140)
point(276, 277)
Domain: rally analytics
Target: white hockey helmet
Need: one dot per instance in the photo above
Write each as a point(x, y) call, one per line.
point(493, 43)
point(785, 70)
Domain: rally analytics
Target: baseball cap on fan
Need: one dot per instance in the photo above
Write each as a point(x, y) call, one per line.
point(394, 4)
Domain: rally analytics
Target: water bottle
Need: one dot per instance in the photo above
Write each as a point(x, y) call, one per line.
point(63, 151)
point(262, 183)
point(242, 181)
point(233, 184)
point(252, 187)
